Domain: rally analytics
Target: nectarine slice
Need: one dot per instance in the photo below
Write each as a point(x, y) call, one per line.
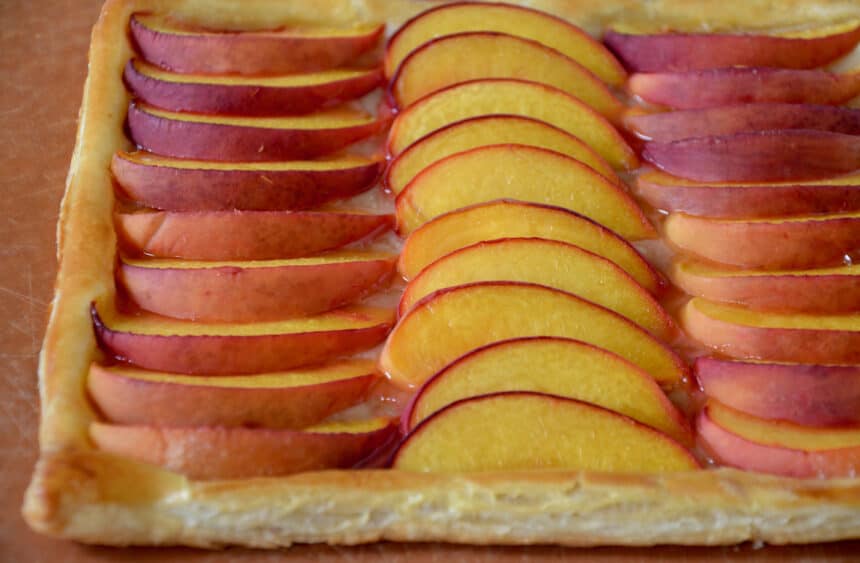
point(737, 200)
point(778, 447)
point(779, 337)
point(195, 185)
point(513, 97)
point(186, 48)
point(459, 17)
point(824, 290)
point(293, 399)
point(516, 431)
point(265, 290)
point(545, 262)
point(524, 173)
point(242, 95)
point(217, 452)
point(488, 130)
point(809, 48)
point(558, 366)
point(240, 139)
point(737, 85)
point(448, 323)
point(461, 57)
point(776, 243)
point(503, 219)
point(244, 235)
point(165, 344)
point(816, 395)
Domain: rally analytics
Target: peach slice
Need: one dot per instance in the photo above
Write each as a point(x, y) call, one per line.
point(558, 366)
point(725, 120)
point(293, 399)
point(216, 452)
point(164, 344)
point(254, 139)
point(805, 394)
point(778, 447)
point(689, 51)
point(737, 85)
point(244, 235)
point(193, 50)
point(738, 200)
point(265, 290)
point(459, 17)
point(778, 337)
point(825, 290)
point(240, 95)
point(758, 156)
point(445, 325)
point(194, 185)
point(524, 173)
point(777, 243)
point(461, 57)
point(517, 431)
point(504, 219)
point(546, 262)
point(488, 130)
point(513, 97)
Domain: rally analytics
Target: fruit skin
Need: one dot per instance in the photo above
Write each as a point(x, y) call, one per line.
point(236, 354)
point(749, 200)
point(690, 51)
point(213, 452)
point(815, 395)
point(247, 53)
point(737, 85)
point(759, 156)
point(768, 244)
point(721, 328)
point(243, 235)
point(509, 431)
point(235, 99)
point(237, 143)
point(148, 183)
point(731, 448)
point(126, 400)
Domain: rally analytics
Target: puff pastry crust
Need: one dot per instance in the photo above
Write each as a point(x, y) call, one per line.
point(80, 493)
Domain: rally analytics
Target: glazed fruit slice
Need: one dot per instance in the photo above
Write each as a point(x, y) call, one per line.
point(243, 235)
point(524, 173)
point(739, 200)
point(504, 219)
point(188, 49)
point(194, 185)
point(778, 243)
point(164, 344)
point(240, 95)
point(522, 431)
point(520, 21)
point(447, 324)
point(514, 97)
point(778, 447)
point(461, 57)
point(215, 452)
point(779, 337)
point(825, 290)
point(546, 262)
point(488, 130)
point(256, 290)
point(248, 139)
point(688, 51)
point(558, 366)
point(293, 399)
point(815, 395)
